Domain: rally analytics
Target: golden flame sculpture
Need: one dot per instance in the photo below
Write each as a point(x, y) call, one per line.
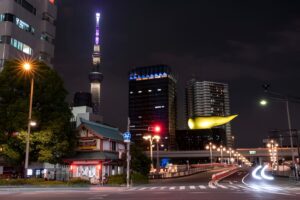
point(209, 122)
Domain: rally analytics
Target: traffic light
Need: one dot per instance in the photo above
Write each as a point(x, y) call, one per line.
point(157, 129)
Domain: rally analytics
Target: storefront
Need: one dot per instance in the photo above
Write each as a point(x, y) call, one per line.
point(100, 152)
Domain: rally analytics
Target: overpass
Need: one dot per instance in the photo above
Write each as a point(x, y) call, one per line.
point(252, 154)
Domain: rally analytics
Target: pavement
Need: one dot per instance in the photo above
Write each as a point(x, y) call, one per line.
point(235, 187)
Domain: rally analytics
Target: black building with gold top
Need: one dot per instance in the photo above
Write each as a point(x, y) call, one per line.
point(152, 101)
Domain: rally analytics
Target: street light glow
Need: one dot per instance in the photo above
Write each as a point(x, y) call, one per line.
point(263, 102)
point(27, 66)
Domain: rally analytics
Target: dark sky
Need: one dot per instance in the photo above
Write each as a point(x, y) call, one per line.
point(242, 43)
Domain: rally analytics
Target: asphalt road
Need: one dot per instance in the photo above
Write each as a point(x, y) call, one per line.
point(188, 188)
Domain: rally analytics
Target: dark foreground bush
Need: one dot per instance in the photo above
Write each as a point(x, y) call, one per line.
point(42, 182)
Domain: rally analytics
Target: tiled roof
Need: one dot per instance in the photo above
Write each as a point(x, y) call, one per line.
point(103, 130)
point(95, 155)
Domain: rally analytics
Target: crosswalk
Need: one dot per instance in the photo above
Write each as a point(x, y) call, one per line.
point(187, 187)
point(212, 187)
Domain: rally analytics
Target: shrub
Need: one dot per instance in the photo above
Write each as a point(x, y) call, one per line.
point(78, 181)
point(117, 179)
point(138, 178)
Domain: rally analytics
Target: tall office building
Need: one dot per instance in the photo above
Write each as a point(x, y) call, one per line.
point(27, 29)
point(152, 101)
point(95, 75)
point(206, 98)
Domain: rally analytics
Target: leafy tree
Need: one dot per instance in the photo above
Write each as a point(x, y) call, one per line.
point(139, 161)
point(53, 136)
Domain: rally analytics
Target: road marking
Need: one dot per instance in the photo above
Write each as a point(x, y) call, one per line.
point(143, 188)
point(212, 187)
point(134, 188)
point(230, 183)
point(172, 188)
point(222, 186)
point(162, 188)
point(192, 187)
point(153, 188)
point(234, 187)
point(202, 187)
point(243, 187)
point(182, 188)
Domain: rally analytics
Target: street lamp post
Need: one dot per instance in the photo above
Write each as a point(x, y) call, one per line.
point(221, 149)
point(151, 138)
point(263, 103)
point(210, 146)
point(273, 153)
point(28, 68)
point(230, 151)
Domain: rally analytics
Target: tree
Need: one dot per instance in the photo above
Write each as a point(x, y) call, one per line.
point(53, 137)
point(139, 161)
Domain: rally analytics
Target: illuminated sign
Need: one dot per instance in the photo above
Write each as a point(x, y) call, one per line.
point(148, 76)
point(252, 152)
point(87, 144)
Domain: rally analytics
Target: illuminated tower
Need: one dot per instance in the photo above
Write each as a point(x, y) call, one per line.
point(95, 75)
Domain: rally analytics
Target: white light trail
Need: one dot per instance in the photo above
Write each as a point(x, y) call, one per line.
point(263, 174)
point(254, 172)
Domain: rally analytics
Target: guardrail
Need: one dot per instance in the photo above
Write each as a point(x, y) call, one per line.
point(223, 174)
point(191, 169)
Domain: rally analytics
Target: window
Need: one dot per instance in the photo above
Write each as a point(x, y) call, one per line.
point(140, 91)
point(17, 21)
point(27, 6)
point(21, 46)
point(131, 92)
point(159, 89)
point(149, 90)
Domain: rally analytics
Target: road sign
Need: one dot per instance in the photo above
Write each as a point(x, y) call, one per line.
point(127, 136)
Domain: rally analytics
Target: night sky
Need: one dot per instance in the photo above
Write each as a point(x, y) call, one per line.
point(242, 43)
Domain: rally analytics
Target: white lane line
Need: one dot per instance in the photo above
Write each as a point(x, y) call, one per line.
point(131, 189)
point(182, 188)
point(162, 188)
point(202, 187)
point(243, 187)
point(192, 187)
point(153, 188)
point(230, 183)
point(243, 180)
point(144, 188)
point(212, 186)
point(222, 186)
point(172, 188)
point(234, 187)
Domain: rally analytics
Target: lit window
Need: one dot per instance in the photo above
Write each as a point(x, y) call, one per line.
point(158, 89)
point(149, 90)
point(131, 92)
point(140, 117)
point(140, 91)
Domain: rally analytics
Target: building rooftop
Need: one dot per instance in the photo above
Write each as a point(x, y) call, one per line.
point(103, 130)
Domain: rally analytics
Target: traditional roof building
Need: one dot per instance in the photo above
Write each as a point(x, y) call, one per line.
point(99, 152)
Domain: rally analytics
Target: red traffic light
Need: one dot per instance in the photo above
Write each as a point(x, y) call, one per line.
point(157, 129)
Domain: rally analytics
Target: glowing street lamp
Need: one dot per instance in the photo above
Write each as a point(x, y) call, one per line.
point(210, 146)
point(272, 145)
point(230, 151)
point(221, 149)
point(263, 102)
point(151, 139)
point(27, 68)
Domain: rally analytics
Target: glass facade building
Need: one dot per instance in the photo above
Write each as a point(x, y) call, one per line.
point(206, 98)
point(152, 101)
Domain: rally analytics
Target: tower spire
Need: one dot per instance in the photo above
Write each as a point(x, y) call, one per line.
point(95, 75)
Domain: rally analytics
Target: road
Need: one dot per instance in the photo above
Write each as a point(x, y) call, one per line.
point(235, 187)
